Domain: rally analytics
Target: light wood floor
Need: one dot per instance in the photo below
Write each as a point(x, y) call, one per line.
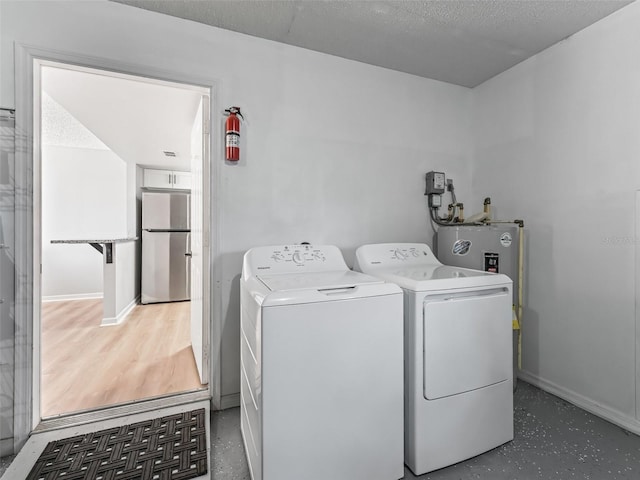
point(86, 366)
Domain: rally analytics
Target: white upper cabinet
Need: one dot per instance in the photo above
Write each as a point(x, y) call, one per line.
point(182, 180)
point(166, 179)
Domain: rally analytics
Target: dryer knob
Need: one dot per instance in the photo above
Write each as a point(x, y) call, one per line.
point(297, 258)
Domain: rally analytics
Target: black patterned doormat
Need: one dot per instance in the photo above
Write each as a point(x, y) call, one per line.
point(168, 448)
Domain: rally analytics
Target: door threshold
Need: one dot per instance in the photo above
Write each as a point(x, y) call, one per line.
point(121, 410)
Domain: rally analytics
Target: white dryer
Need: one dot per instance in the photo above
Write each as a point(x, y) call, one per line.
point(458, 376)
point(322, 362)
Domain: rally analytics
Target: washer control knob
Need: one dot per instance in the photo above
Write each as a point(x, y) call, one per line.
point(415, 253)
point(318, 256)
point(278, 257)
point(297, 258)
point(400, 255)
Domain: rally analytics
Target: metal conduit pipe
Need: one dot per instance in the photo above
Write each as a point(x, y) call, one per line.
point(520, 288)
point(448, 221)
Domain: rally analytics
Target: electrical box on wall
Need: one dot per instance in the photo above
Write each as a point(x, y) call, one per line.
point(435, 183)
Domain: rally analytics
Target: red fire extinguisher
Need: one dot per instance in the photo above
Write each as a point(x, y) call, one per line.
point(232, 134)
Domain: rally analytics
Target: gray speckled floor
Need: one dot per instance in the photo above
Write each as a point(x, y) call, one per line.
point(554, 440)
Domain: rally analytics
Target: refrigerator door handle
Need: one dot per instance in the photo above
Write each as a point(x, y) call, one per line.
point(189, 255)
point(189, 215)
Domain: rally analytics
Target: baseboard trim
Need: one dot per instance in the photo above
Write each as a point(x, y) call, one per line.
point(111, 321)
point(614, 416)
point(75, 296)
point(229, 401)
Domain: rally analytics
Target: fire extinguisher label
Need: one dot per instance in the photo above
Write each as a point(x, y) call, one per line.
point(233, 139)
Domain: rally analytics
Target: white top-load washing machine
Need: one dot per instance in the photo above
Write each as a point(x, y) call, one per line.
point(322, 367)
point(458, 376)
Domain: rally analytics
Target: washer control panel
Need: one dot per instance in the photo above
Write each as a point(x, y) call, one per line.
point(298, 254)
point(404, 254)
point(294, 258)
point(390, 254)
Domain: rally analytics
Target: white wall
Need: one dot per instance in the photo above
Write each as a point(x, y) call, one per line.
point(84, 196)
point(334, 151)
point(557, 143)
point(125, 276)
point(120, 286)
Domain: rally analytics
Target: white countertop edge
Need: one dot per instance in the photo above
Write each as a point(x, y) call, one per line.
point(111, 240)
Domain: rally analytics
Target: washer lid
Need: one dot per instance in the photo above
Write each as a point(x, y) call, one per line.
point(287, 282)
point(431, 277)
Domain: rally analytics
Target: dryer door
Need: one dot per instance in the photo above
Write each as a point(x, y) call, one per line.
point(467, 341)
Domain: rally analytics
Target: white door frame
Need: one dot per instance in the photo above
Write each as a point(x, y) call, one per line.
point(637, 303)
point(27, 250)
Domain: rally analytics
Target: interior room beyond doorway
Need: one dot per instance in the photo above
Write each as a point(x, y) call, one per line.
point(106, 139)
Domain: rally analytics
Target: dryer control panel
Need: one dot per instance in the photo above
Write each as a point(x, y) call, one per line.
point(392, 254)
point(294, 258)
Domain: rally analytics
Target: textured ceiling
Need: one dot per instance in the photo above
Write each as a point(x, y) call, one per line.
point(61, 129)
point(463, 42)
point(137, 120)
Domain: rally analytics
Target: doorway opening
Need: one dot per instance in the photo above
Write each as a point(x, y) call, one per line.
point(107, 140)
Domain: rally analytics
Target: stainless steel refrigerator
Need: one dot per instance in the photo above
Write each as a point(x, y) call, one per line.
point(166, 247)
